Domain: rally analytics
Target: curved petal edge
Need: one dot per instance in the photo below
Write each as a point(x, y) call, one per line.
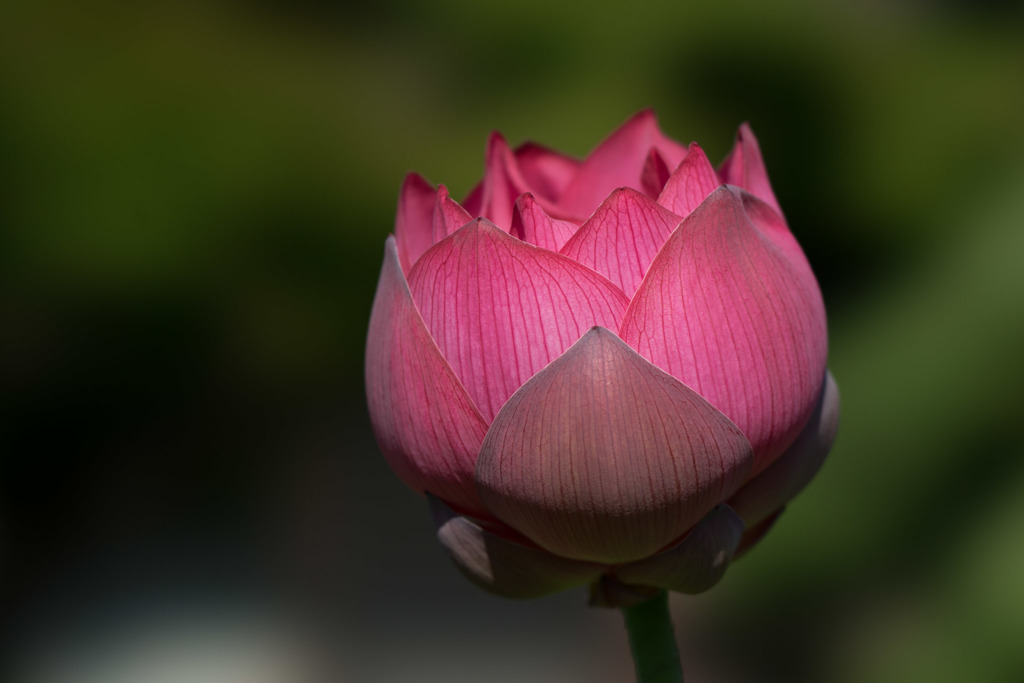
point(413, 219)
point(603, 457)
point(694, 564)
point(501, 309)
point(622, 237)
point(503, 566)
point(794, 469)
point(744, 167)
point(690, 183)
point(618, 162)
point(741, 320)
point(427, 426)
point(532, 224)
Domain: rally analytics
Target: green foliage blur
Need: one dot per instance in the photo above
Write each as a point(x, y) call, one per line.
point(194, 198)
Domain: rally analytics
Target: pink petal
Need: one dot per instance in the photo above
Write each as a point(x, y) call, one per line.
point(503, 182)
point(654, 174)
point(622, 238)
point(694, 564)
point(741, 321)
point(744, 167)
point(501, 309)
point(413, 231)
point(692, 181)
point(603, 457)
point(448, 215)
point(502, 566)
point(794, 469)
point(532, 224)
point(474, 201)
point(426, 424)
point(547, 173)
point(618, 162)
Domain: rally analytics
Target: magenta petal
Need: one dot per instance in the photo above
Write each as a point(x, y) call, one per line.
point(741, 321)
point(501, 309)
point(603, 457)
point(654, 175)
point(697, 562)
point(426, 425)
point(618, 162)
point(794, 469)
point(502, 183)
point(547, 173)
point(744, 167)
point(692, 181)
point(413, 232)
point(448, 215)
point(503, 566)
point(622, 238)
point(532, 224)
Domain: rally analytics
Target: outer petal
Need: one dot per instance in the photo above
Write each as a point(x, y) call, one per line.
point(448, 215)
point(736, 318)
point(744, 167)
point(697, 562)
point(532, 224)
point(426, 424)
point(501, 309)
point(794, 469)
point(602, 457)
point(546, 172)
point(692, 181)
point(618, 162)
point(622, 237)
point(503, 566)
point(413, 231)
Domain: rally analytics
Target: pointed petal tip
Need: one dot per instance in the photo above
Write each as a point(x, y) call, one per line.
point(478, 224)
point(501, 309)
point(744, 166)
point(690, 183)
point(596, 336)
point(532, 224)
point(645, 113)
point(414, 179)
point(771, 281)
point(640, 456)
point(497, 143)
point(622, 236)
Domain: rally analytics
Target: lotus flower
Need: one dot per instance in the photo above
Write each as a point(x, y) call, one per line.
point(609, 371)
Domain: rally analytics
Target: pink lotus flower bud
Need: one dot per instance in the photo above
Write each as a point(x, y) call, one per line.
point(602, 371)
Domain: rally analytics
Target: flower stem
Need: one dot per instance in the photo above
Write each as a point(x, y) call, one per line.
point(652, 641)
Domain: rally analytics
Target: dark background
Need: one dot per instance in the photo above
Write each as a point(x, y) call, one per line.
point(194, 198)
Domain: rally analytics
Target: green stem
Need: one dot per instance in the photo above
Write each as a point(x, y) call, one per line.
point(653, 642)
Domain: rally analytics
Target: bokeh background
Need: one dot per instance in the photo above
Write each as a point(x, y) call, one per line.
point(194, 197)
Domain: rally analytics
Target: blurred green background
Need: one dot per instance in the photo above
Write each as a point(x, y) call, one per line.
point(194, 198)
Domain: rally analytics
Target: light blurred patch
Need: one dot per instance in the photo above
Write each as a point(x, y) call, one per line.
point(217, 648)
